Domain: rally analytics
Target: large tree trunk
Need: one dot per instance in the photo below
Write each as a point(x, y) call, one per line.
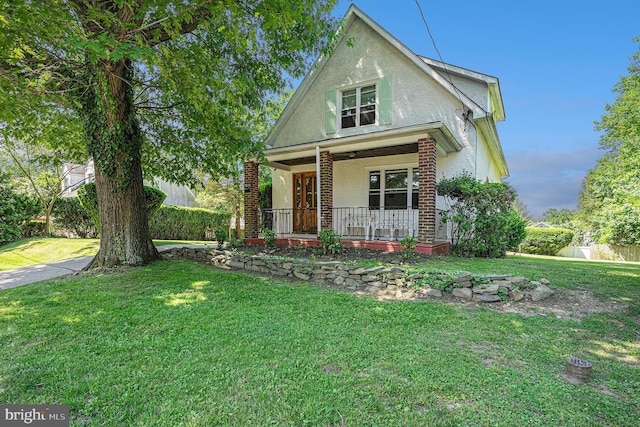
point(115, 143)
point(124, 229)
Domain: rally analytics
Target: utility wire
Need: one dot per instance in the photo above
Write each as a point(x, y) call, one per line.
point(440, 56)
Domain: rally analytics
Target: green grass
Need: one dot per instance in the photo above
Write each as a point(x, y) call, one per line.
point(37, 250)
point(178, 343)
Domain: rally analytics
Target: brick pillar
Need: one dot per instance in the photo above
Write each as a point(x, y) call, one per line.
point(326, 189)
point(427, 190)
point(251, 224)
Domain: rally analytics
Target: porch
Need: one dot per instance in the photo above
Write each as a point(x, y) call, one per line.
point(359, 223)
point(379, 191)
point(359, 227)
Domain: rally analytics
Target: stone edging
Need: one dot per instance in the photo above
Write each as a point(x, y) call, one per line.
point(392, 282)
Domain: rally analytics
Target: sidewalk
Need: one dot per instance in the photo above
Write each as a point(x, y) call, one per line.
point(37, 273)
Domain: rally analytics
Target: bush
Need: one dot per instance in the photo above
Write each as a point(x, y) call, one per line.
point(264, 195)
point(483, 222)
point(89, 199)
point(180, 223)
point(331, 242)
point(15, 209)
point(33, 228)
point(70, 217)
point(546, 241)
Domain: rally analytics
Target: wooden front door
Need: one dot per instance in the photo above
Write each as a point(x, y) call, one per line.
point(305, 215)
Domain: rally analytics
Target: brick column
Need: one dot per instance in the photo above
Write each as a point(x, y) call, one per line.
point(326, 189)
point(427, 190)
point(251, 224)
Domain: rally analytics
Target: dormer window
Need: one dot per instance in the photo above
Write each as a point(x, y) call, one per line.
point(358, 107)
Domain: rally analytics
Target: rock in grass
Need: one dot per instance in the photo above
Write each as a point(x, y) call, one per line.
point(516, 295)
point(540, 293)
point(486, 298)
point(433, 293)
point(487, 289)
point(462, 293)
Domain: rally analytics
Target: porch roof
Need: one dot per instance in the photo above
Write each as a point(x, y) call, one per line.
point(373, 144)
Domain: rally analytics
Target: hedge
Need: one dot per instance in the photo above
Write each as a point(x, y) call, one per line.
point(545, 241)
point(70, 217)
point(181, 223)
point(15, 210)
point(89, 199)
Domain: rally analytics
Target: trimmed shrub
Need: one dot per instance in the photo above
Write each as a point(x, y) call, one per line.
point(70, 217)
point(33, 228)
point(546, 241)
point(89, 199)
point(15, 209)
point(181, 223)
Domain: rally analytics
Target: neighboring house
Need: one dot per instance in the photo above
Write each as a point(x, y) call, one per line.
point(360, 145)
point(76, 175)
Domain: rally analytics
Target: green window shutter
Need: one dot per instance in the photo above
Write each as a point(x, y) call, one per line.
point(331, 110)
point(386, 104)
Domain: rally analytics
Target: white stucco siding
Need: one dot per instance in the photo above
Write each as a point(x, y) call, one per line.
point(351, 178)
point(476, 90)
point(416, 97)
point(486, 163)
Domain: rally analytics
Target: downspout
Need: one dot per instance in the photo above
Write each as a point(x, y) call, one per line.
point(318, 198)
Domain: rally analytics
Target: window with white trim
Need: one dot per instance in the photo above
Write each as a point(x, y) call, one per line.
point(358, 107)
point(393, 189)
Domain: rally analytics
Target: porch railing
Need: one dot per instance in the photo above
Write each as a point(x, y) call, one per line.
point(350, 223)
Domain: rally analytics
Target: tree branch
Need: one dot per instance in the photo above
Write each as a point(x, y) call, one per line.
point(187, 27)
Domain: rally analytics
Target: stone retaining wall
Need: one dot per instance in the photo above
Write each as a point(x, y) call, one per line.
point(393, 282)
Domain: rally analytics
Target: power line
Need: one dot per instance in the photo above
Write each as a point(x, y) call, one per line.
point(433, 41)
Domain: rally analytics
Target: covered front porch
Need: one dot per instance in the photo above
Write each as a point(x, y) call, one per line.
point(373, 192)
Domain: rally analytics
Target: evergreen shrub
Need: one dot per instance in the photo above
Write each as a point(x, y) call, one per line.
point(545, 241)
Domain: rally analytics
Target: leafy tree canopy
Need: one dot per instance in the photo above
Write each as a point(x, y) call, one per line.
point(203, 72)
point(176, 86)
point(610, 196)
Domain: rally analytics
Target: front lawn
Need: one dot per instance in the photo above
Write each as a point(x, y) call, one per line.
point(178, 343)
point(39, 250)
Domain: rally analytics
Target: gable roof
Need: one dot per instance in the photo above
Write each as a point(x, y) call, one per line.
point(352, 14)
point(430, 67)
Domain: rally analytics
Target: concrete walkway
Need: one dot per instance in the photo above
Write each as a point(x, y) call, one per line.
point(37, 273)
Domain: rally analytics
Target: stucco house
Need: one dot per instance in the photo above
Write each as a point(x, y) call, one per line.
point(370, 130)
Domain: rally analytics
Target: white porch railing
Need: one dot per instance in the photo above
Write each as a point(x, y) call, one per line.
point(350, 223)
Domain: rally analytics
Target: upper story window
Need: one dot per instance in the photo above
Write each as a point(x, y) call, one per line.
point(358, 107)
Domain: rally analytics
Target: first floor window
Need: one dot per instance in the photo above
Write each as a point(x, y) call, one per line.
point(393, 189)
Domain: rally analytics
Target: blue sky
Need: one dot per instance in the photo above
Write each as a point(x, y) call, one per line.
point(557, 62)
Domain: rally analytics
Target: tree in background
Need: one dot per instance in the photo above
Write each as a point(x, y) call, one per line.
point(224, 194)
point(174, 86)
point(521, 209)
point(34, 151)
point(560, 218)
point(610, 195)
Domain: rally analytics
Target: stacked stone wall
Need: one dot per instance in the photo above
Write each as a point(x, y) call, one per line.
point(392, 282)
